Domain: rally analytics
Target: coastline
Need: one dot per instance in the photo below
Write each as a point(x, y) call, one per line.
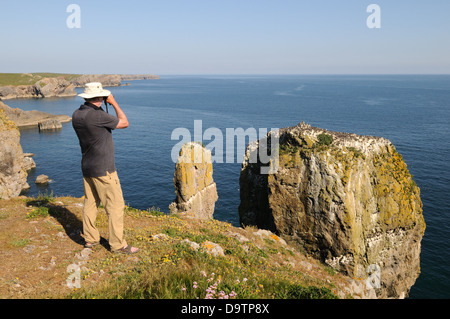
point(31, 119)
point(58, 85)
point(410, 154)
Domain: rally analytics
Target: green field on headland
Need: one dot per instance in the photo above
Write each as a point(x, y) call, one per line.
point(16, 79)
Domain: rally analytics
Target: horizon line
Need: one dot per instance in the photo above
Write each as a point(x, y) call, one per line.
point(222, 74)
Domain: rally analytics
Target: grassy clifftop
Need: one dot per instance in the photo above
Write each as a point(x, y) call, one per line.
point(16, 79)
point(179, 258)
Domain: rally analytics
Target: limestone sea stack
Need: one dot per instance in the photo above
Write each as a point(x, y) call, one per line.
point(346, 199)
point(195, 189)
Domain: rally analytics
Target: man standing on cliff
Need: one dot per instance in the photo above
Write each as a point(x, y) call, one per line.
point(93, 127)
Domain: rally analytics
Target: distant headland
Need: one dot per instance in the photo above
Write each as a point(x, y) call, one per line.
point(41, 85)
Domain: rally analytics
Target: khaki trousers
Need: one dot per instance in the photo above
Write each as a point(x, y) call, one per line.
point(105, 190)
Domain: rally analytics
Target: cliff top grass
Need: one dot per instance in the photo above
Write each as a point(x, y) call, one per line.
point(40, 240)
point(16, 79)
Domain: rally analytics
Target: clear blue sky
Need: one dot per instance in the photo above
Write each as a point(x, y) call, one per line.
point(226, 37)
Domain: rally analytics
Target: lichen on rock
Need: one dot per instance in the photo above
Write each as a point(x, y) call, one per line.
point(13, 175)
point(346, 199)
point(195, 189)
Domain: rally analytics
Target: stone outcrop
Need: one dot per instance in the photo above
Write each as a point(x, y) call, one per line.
point(42, 179)
point(29, 162)
point(345, 199)
point(31, 118)
point(17, 92)
point(13, 176)
point(49, 125)
point(55, 87)
point(196, 192)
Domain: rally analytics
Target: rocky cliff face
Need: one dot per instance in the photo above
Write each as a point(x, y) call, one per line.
point(345, 199)
point(195, 190)
point(31, 118)
point(55, 87)
point(13, 176)
point(60, 87)
point(47, 87)
point(17, 92)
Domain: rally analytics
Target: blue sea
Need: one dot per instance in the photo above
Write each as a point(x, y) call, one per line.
point(412, 111)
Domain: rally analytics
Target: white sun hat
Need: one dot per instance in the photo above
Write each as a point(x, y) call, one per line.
point(94, 89)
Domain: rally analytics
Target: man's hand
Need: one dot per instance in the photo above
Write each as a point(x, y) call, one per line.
point(111, 100)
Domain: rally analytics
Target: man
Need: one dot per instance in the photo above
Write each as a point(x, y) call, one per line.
point(93, 127)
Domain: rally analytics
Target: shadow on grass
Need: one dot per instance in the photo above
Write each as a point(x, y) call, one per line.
point(72, 225)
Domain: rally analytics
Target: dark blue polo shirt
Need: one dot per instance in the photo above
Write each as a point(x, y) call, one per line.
point(93, 127)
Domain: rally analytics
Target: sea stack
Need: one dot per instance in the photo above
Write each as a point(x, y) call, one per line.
point(346, 199)
point(195, 189)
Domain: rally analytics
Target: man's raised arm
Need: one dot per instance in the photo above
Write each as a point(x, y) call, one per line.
point(123, 121)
